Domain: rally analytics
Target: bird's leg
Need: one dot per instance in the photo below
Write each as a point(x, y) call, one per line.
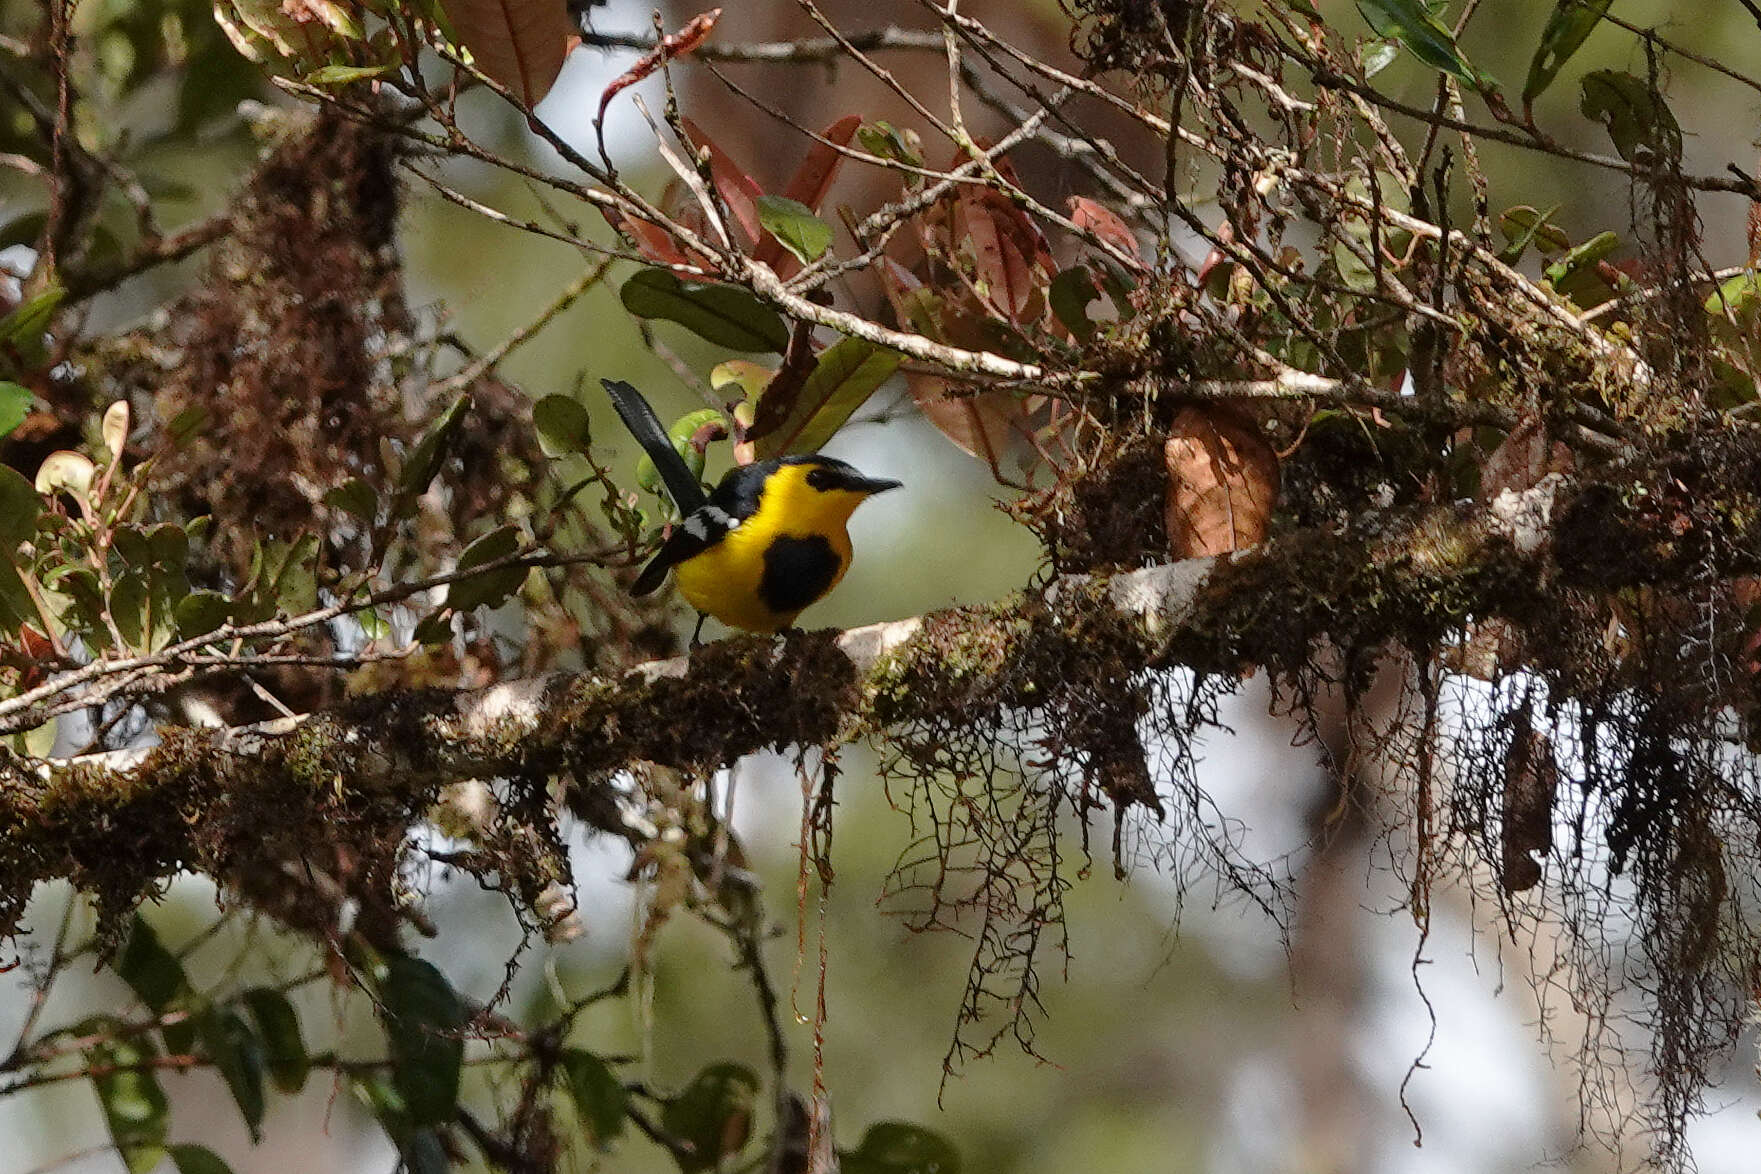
point(697, 632)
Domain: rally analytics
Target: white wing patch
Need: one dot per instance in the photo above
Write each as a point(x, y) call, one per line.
point(710, 520)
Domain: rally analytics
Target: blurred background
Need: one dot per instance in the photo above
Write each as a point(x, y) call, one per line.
point(1189, 1031)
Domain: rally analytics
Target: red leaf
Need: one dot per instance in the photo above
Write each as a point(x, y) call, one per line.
point(37, 650)
point(1104, 223)
point(1001, 271)
point(778, 401)
point(519, 43)
point(738, 190)
point(814, 177)
point(695, 32)
point(652, 241)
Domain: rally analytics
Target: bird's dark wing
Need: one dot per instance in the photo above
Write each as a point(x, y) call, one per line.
point(644, 425)
point(733, 501)
point(697, 533)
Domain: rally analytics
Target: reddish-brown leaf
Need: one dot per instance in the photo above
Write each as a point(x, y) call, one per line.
point(784, 389)
point(1754, 233)
point(999, 269)
point(678, 44)
point(981, 423)
point(652, 241)
point(1222, 482)
point(737, 189)
point(519, 43)
point(1105, 224)
point(1531, 784)
point(813, 179)
point(1522, 459)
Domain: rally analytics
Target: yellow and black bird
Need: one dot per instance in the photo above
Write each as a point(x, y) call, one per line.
point(768, 542)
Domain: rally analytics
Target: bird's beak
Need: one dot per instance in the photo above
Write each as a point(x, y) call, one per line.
point(869, 486)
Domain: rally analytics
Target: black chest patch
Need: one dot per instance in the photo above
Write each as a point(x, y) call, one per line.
point(797, 571)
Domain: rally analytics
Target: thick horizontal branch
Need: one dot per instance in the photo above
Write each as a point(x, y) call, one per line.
point(240, 804)
point(225, 801)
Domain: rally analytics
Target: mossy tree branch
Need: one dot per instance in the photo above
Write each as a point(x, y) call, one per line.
point(223, 801)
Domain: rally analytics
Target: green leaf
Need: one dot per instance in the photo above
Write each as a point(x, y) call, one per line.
point(1523, 226)
point(1379, 55)
point(170, 546)
point(844, 376)
point(722, 314)
point(201, 612)
point(130, 606)
point(1597, 248)
point(15, 405)
point(289, 582)
point(151, 971)
point(355, 497)
point(283, 1048)
point(713, 1115)
point(882, 138)
point(601, 1103)
point(132, 548)
point(423, 1017)
point(1578, 276)
point(1635, 115)
point(238, 1057)
point(186, 424)
point(425, 459)
point(1072, 291)
point(134, 1105)
point(24, 326)
point(847, 374)
point(680, 434)
point(1571, 23)
point(36, 742)
point(16, 605)
point(435, 628)
point(563, 425)
point(492, 588)
point(342, 75)
point(795, 227)
point(20, 505)
point(196, 1159)
point(373, 625)
point(1411, 23)
point(896, 1147)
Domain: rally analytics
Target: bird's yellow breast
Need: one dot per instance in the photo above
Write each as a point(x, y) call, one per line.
point(728, 580)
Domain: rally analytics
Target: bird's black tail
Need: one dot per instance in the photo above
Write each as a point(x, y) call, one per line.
point(644, 425)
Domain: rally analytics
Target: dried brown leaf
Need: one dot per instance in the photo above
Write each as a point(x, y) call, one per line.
point(1531, 783)
point(1222, 482)
point(1525, 456)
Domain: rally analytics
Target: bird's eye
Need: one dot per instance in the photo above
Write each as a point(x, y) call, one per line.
point(820, 479)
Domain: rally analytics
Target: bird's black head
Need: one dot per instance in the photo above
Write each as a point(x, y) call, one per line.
point(829, 475)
